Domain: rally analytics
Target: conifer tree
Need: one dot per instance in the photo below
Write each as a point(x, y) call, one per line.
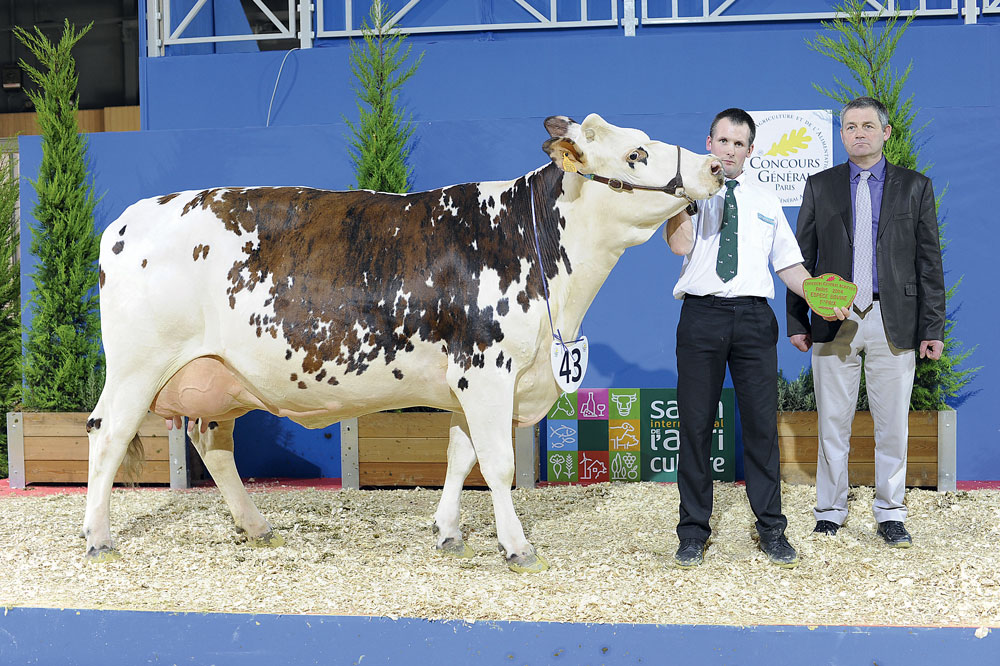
point(380, 143)
point(10, 294)
point(63, 344)
point(856, 41)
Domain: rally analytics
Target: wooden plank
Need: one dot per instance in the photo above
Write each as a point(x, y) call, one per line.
point(121, 119)
point(404, 424)
point(799, 424)
point(860, 474)
point(74, 424)
point(413, 474)
point(90, 120)
point(75, 471)
point(403, 450)
point(804, 449)
point(77, 448)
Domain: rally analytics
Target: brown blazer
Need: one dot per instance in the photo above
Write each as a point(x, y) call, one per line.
point(907, 250)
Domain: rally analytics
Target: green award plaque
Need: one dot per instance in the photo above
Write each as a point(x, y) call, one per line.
point(828, 291)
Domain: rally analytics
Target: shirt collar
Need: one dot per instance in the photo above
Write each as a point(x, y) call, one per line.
point(877, 171)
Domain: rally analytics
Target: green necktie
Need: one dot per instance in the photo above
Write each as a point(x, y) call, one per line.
point(728, 238)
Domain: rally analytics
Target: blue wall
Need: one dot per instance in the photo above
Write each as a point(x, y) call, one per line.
point(478, 101)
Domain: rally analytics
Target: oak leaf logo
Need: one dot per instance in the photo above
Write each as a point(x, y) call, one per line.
point(790, 143)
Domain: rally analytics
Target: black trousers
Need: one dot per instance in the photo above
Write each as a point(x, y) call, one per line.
point(742, 333)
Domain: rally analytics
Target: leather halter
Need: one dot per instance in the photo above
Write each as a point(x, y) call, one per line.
point(674, 188)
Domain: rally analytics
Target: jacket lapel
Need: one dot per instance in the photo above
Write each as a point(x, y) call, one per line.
point(890, 197)
point(842, 198)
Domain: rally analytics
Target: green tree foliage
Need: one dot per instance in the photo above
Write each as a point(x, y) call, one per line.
point(63, 345)
point(865, 44)
point(380, 142)
point(10, 294)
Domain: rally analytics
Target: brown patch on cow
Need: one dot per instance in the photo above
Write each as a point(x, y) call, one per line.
point(167, 198)
point(397, 373)
point(302, 385)
point(321, 375)
point(197, 251)
point(337, 262)
point(118, 247)
point(102, 276)
point(332, 381)
point(293, 378)
point(143, 263)
point(93, 424)
point(288, 354)
point(204, 252)
point(463, 384)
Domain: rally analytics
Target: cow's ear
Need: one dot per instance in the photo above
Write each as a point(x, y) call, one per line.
point(559, 126)
point(565, 153)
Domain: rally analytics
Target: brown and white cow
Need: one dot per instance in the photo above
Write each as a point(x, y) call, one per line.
point(321, 306)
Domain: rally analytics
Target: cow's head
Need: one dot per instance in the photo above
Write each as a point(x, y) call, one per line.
point(641, 174)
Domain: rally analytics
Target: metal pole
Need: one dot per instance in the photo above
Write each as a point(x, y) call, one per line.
point(305, 24)
point(350, 476)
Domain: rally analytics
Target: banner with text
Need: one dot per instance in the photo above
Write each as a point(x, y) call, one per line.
point(598, 435)
point(790, 146)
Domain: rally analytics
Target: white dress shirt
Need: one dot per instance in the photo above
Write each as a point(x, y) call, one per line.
point(763, 237)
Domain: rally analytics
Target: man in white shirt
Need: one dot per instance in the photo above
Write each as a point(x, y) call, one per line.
point(725, 320)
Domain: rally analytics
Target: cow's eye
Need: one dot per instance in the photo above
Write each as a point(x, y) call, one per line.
point(638, 155)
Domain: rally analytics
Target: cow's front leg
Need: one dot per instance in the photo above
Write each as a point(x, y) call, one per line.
point(447, 520)
point(487, 399)
point(214, 442)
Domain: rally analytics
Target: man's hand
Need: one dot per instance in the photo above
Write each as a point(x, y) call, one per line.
point(839, 314)
point(801, 341)
point(931, 349)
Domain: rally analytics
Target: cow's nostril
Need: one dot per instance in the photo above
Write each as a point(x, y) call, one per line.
point(716, 168)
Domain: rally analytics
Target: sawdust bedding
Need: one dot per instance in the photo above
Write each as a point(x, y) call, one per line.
point(610, 547)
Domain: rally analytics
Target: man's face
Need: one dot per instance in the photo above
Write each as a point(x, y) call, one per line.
point(864, 136)
point(731, 144)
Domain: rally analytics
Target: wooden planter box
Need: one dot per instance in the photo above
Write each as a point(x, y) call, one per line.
point(52, 447)
point(930, 459)
point(389, 449)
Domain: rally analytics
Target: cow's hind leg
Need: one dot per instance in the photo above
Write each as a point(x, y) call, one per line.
point(488, 402)
point(215, 445)
point(110, 429)
point(461, 458)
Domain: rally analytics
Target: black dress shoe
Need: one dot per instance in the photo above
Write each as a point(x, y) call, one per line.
point(826, 527)
point(690, 554)
point(895, 534)
point(778, 550)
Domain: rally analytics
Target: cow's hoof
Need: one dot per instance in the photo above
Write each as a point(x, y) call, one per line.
point(455, 548)
point(270, 540)
point(102, 555)
point(529, 563)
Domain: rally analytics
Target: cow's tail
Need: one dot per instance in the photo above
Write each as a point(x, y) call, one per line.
point(135, 460)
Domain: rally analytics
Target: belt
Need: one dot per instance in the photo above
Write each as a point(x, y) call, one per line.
point(720, 300)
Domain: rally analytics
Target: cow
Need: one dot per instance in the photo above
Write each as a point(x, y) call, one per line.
point(320, 306)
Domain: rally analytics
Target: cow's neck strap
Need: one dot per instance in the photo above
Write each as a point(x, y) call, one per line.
point(674, 188)
point(556, 333)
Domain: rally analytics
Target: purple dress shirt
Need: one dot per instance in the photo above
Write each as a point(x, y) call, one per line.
point(876, 182)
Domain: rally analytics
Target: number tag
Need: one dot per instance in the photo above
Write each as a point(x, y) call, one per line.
point(569, 363)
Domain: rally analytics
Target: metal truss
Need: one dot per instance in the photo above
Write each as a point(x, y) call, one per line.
point(725, 12)
point(161, 31)
point(537, 19)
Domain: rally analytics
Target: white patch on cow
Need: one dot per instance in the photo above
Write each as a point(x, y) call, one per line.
point(381, 303)
point(475, 246)
point(290, 280)
point(489, 289)
point(430, 281)
point(493, 190)
point(447, 203)
point(396, 232)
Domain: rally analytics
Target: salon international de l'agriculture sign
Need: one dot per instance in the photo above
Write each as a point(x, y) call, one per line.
point(790, 146)
point(598, 435)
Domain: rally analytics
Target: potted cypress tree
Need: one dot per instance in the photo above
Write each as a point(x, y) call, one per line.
point(62, 370)
point(853, 40)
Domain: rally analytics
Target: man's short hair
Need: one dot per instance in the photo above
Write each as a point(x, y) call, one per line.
point(737, 117)
point(867, 103)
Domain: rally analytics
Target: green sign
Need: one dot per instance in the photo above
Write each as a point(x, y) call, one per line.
point(828, 291)
point(628, 435)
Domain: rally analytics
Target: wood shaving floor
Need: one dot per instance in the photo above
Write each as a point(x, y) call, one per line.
point(610, 547)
